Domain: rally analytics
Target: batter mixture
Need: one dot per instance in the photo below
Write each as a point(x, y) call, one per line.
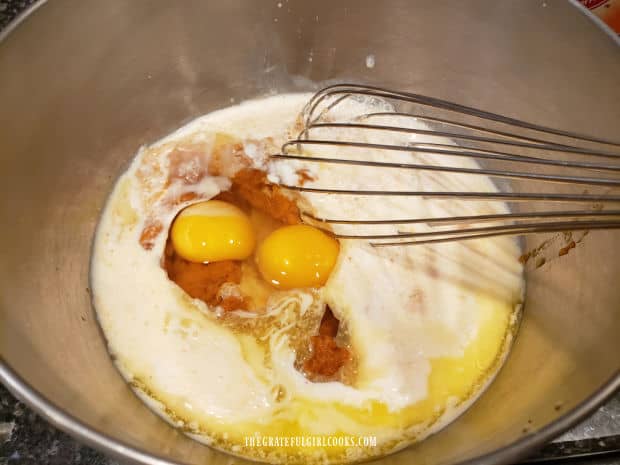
point(233, 319)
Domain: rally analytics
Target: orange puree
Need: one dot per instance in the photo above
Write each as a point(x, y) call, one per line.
point(203, 281)
point(327, 357)
point(250, 190)
point(252, 186)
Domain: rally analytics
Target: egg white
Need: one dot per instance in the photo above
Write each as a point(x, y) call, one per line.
point(429, 325)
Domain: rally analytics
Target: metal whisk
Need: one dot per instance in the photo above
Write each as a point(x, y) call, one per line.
point(478, 135)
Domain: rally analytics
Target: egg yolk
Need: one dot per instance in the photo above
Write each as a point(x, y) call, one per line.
point(212, 231)
point(297, 256)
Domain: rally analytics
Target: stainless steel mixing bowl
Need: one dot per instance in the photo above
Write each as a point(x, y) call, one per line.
point(84, 84)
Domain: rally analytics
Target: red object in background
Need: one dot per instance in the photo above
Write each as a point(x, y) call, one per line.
point(607, 10)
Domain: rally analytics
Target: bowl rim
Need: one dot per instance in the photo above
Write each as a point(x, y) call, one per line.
point(90, 436)
point(66, 422)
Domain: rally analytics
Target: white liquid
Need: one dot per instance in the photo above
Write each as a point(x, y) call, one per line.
point(417, 317)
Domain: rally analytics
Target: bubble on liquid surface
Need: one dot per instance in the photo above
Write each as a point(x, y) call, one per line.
point(370, 61)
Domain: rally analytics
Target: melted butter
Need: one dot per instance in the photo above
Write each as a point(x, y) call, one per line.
point(452, 381)
point(123, 210)
point(252, 284)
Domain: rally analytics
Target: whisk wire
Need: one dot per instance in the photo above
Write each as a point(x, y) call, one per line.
point(374, 91)
point(490, 143)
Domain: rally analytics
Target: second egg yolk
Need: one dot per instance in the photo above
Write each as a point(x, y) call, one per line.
point(212, 231)
point(297, 256)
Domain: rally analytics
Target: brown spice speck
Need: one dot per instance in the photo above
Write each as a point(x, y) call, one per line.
point(149, 233)
point(304, 176)
point(565, 250)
